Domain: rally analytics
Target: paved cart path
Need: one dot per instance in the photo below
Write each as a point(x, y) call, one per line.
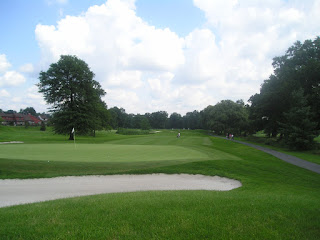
point(285, 157)
point(17, 191)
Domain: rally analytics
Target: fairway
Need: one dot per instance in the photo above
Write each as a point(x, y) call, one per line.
point(99, 152)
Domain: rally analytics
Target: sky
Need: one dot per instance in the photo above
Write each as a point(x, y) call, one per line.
point(151, 55)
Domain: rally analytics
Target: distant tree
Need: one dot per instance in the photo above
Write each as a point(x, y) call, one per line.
point(175, 121)
point(226, 117)
point(158, 119)
point(10, 112)
point(144, 123)
point(75, 97)
point(117, 117)
point(192, 120)
point(43, 126)
point(29, 110)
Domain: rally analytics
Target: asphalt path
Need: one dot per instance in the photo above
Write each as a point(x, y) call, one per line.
point(285, 157)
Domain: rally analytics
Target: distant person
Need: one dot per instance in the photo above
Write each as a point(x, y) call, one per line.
point(232, 136)
point(178, 135)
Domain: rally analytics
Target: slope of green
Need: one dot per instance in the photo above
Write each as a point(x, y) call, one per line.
point(277, 200)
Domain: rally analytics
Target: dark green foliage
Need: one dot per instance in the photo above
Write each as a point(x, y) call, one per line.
point(158, 119)
point(75, 97)
point(192, 120)
point(175, 121)
point(127, 131)
point(298, 129)
point(43, 126)
point(144, 123)
point(226, 117)
point(278, 108)
point(29, 110)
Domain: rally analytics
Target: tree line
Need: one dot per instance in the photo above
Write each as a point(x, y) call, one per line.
point(287, 106)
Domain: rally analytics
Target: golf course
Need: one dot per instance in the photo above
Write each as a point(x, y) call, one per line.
point(277, 200)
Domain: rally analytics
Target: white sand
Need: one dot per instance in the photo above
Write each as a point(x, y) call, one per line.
point(11, 142)
point(16, 191)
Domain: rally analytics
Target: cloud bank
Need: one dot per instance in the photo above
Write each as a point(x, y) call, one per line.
point(147, 69)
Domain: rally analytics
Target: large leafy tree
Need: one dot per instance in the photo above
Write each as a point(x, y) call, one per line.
point(175, 121)
point(75, 96)
point(297, 71)
point(298, 129)
point(192, 120)
point(226, 117)
point(158, 119)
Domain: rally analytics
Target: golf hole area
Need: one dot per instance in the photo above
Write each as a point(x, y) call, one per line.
point(99, 152)
point(15, 192)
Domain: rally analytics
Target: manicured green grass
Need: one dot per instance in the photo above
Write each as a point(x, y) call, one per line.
point(99, 152)
point(277, 200)
point(308, 155)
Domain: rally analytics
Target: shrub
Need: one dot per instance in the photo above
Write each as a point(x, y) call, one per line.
point(43, 126)
point(125, 131)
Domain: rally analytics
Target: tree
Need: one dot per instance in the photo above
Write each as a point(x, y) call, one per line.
point(75, 97)
point(175, 121)
point(29, 110)
point(117, 117)
point(226, 117)
point(298, 70)
point(192, 120)
point(43, 126)
point(158, 119)
point(298, 129)
point(11, 112)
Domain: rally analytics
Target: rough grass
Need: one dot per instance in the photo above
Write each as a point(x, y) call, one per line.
point(277, 200)
point(308, 155)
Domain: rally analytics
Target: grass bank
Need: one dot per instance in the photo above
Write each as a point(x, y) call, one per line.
point(272, 143)
point(277, 200)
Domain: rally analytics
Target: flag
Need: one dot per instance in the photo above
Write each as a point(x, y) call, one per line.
point(72, 130)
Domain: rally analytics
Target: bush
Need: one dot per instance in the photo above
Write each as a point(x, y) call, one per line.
point(125, 131)
point(43, 126)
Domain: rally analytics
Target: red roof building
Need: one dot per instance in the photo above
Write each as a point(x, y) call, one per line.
point(18, 119)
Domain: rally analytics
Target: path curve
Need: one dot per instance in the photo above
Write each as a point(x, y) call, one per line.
point(17, 191)
point(285, 157)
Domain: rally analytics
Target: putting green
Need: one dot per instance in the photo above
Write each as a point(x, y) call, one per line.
point(99, 152)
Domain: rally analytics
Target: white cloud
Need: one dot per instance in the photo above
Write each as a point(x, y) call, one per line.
point(12, 78)
point(27, 68)
point(125, 79)
point(4, 93)
point(144, 68)
point(59, 2)
point(4, 64)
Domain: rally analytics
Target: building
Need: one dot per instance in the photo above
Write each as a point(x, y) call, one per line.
point(18, 119)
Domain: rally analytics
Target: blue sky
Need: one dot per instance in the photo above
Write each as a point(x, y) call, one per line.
point(18, 19)
point(173, 55)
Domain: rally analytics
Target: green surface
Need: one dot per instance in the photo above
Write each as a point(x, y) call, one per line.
point(277, 200)
point(99, 152)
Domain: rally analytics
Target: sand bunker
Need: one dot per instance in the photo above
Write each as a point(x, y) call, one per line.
point(12, 142)
point(15, 192)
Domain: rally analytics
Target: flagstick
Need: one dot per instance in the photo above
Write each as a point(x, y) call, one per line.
point(74, 139)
